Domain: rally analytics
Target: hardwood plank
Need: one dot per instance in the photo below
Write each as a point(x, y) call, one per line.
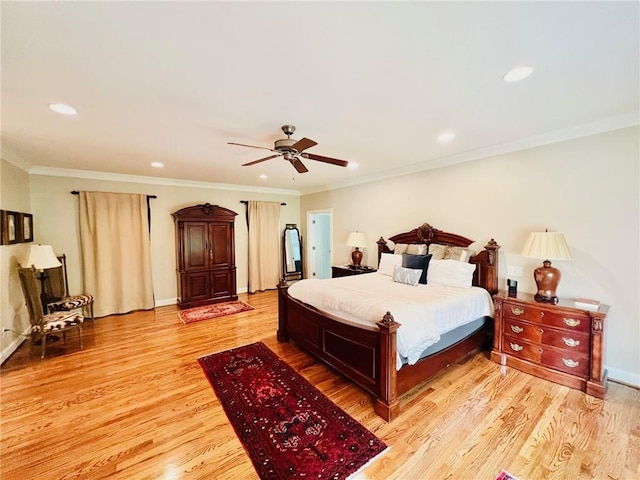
point(135, 404)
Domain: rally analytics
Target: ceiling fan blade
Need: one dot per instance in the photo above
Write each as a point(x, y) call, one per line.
point(320, 158)
point(250, 146)
point(260, 160)
point(298, 165)
point(303, 144)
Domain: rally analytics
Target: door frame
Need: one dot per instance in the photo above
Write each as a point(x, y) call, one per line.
point(311, 258)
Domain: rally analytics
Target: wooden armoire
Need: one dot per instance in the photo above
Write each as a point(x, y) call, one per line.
point(205, 249)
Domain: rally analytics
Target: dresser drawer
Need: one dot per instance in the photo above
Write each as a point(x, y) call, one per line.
point(516, 347)
point(523, 331)
point(565, 361)
point(577, 321)
point(574, 341)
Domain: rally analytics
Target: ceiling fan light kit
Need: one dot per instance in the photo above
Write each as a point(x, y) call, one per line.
point(291, 150)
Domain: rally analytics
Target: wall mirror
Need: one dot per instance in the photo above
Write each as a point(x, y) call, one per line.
point(292, 253)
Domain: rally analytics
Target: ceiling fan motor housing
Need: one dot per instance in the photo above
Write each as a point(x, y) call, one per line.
point(284, 145)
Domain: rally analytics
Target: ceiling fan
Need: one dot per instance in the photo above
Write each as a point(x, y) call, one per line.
point(292, 150)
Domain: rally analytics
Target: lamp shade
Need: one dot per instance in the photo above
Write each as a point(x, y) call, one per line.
point(41, 257)
point(356, 239)
point(547, 246)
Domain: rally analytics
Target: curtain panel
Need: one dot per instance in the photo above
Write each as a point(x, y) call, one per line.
point(116, 251)
point(264, 245)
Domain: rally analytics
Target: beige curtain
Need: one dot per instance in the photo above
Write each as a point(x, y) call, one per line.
point(116, 257)
point(264, 245)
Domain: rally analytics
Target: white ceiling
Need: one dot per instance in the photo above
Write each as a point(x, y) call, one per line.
point(372, 83)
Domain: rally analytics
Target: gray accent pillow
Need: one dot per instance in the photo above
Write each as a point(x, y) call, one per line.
point(409, 276)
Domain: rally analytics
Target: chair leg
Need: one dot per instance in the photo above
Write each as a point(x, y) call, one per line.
point(80, 335)
point(43, 340)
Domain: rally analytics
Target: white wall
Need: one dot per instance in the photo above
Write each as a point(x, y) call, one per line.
point(56, 221)
point(587, 188)
point(14, 195)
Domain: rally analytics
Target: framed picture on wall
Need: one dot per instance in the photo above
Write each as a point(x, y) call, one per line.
point(26, 224)
point(11, 227)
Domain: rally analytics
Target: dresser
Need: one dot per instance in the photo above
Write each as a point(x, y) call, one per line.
point(347, 271)
point(205, 251)
point(558, 342)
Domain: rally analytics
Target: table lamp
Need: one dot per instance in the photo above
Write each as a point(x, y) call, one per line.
point(548, 246)
point(356, 239)
point(41, 257)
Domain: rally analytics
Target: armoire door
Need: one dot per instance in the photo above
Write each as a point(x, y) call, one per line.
point(220, 254)
point(196, 245)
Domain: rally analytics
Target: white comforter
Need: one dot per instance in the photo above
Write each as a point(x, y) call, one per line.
point(425, 312)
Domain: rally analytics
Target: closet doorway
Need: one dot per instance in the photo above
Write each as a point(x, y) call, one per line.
point(319, 235)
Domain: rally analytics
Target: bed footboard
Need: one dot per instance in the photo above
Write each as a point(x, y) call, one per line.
point(366, 357)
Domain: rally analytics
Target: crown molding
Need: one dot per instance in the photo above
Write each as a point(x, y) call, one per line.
point(172, 182)
point(548, 138)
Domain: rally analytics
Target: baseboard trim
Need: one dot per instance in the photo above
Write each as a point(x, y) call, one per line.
point(623, 376)
point(12, 347)
point(165, 302)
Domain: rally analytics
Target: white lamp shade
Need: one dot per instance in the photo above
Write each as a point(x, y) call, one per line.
point(41, 257)
point(546, 246)
point(356, 239)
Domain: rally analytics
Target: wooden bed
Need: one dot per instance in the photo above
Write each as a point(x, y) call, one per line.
point(368, 357)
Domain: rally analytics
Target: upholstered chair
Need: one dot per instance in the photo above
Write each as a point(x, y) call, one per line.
point(43, 325)
point(57, 291)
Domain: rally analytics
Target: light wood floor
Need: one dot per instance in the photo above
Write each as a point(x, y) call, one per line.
point(134, 404)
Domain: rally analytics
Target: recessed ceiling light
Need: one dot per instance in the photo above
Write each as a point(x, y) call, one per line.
point(262, 176)
point(62, 108)
point(157, 164)
point(445, 137)
point(353, 165)
point(518, 73)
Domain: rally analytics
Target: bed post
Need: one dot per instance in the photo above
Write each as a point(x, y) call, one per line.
point(492, 268)
point(283, 334)
point(386, 404)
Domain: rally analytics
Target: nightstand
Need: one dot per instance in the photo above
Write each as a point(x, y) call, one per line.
point(560, 343)
point(346, 271)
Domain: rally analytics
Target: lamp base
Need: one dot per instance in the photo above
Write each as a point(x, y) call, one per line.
point(547, 279)
point(543, 299)
point(356, 257)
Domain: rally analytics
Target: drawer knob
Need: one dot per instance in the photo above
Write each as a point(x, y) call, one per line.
point(516, 329)
point(570, 363)
point(515, 347)
point(571, 322)
point(517, 311)
point(570, 342)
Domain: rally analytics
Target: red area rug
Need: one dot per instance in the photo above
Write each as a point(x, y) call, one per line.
point(207, 312)
point(288, 427)
point(504, 475)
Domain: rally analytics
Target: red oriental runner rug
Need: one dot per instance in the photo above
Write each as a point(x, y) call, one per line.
point(215, 310)
point(288, 427)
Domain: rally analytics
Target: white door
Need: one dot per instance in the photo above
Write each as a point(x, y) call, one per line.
point(319, 229)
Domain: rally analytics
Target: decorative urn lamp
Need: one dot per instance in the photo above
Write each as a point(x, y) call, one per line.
point(548, 246)
point(41, 257)
point(357, 240)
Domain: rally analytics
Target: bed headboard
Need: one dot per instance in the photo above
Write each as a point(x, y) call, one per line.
point(486, 261)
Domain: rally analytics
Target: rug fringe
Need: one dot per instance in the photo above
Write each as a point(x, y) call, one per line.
point(359, 474)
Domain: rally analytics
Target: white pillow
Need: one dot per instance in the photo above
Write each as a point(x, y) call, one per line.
point(409, 276)
point(450, 273)
point(387, 262)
